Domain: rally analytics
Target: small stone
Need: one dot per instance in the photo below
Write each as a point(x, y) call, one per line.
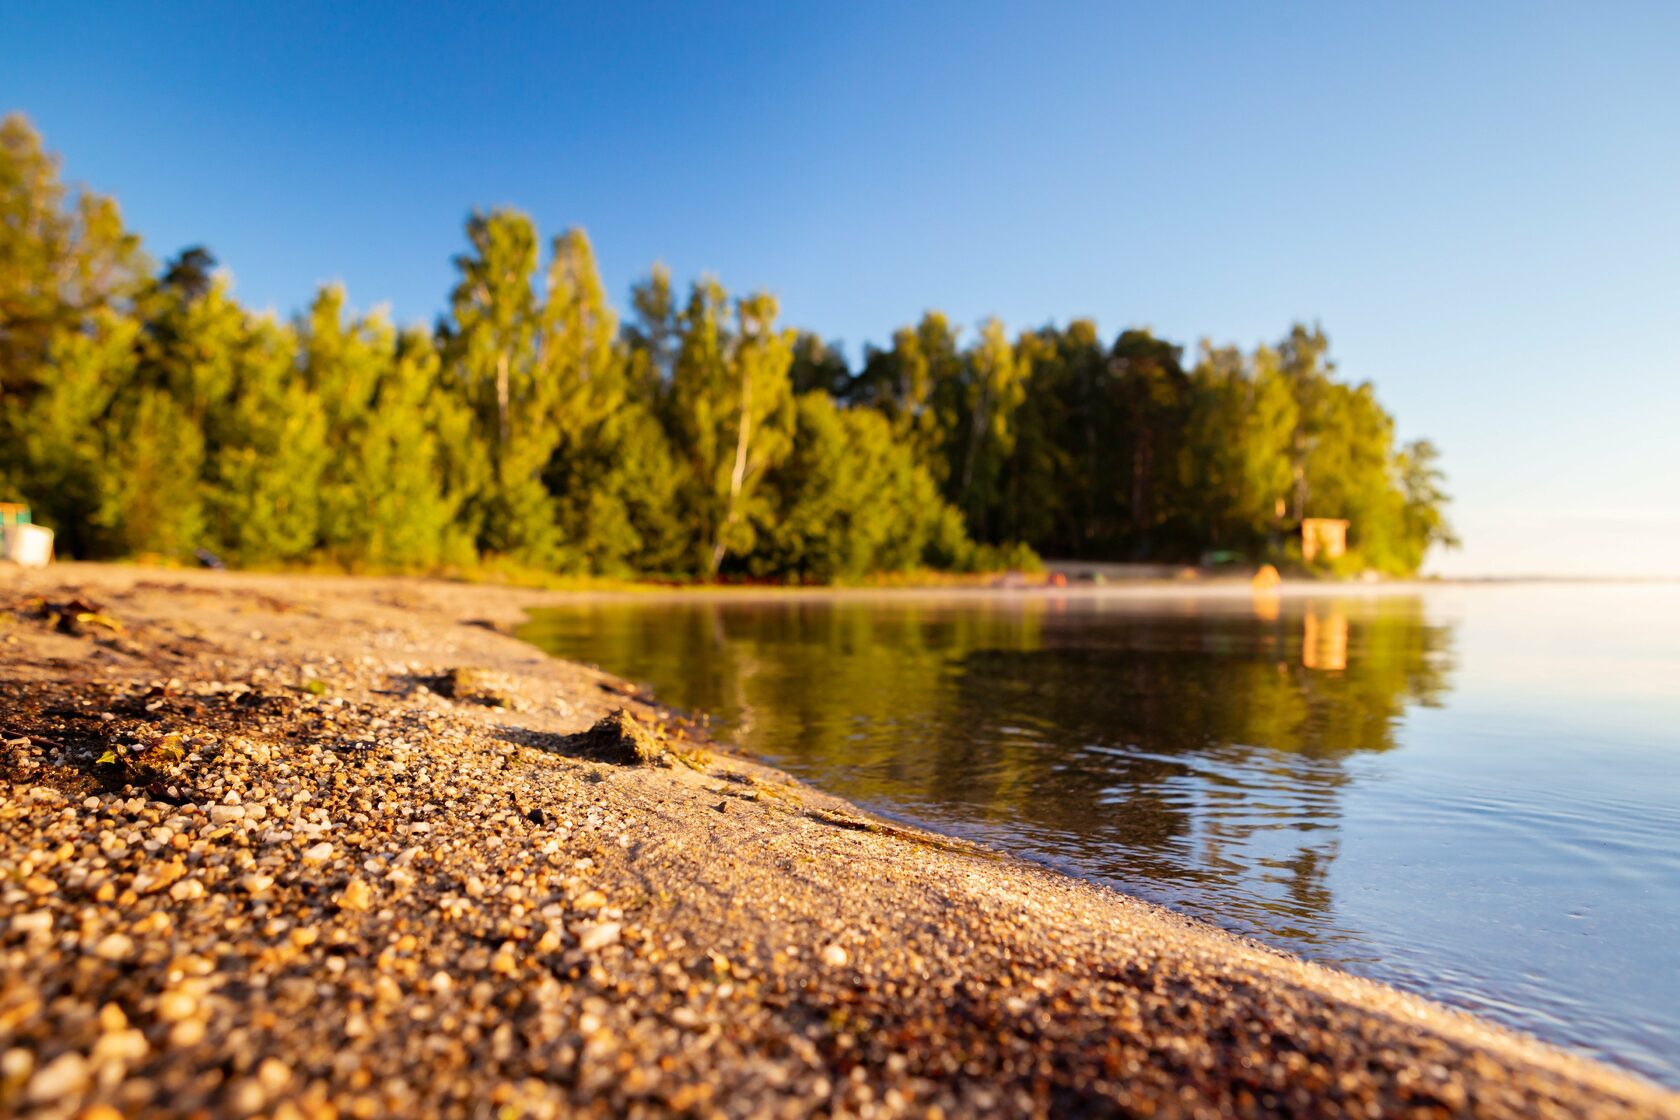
point(16, 1064)
point(591, 900)
point(255, 884)
point(114, 947)
point(440, 982)
point(120, 1046)
point(64, 1076)
point(834, 956)
point(246, 1096)
point(173, 1007)
point(357, 895)
point(187, 890)
point(598, 935)
point(273, 1075)
point(36, 921)
point(45, 795)
point(318, 853)
point(188, 1032)
point(226, 814)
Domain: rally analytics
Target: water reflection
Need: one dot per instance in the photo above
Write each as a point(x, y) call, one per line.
point(1194, 752)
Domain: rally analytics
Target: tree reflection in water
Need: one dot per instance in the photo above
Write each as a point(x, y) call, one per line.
point(1190, 750)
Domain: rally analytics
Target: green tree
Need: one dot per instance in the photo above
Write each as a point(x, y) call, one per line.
point(918, 385)
point(65, 256)
point(1058, 488)
point(819, 366)
point(343, 363)
point(1235, 461)
point(59, 437)
point(733, 407)
point(1424, 517)
point(493, 340)
point(150, 497)
point(147, 414)
point(1152, 397)
point(850, 499)
point(654, 332)
point(264, 471)
point(385, 497)
point(606, 496)
point(995, 386)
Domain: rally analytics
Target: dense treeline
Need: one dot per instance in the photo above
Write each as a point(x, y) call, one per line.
point(145, 411)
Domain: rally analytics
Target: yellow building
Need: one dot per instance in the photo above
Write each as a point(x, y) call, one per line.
point(1323, 536)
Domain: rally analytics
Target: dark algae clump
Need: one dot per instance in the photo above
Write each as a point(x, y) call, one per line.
point(617, 738)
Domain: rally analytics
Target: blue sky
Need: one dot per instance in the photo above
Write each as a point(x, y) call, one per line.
point(1480, 203)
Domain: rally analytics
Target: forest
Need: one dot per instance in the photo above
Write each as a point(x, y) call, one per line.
point(144, 412)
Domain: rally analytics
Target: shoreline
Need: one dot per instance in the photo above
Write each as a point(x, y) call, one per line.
point(436, 903)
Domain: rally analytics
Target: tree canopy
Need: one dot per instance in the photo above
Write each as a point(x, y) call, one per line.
point(145, 411)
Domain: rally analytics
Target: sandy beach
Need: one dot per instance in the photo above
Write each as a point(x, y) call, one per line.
point(322, 846)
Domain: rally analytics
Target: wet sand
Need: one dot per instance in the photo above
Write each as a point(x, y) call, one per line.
point(294, 846)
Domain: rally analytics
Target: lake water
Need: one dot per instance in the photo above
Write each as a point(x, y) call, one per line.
point(1470, 792)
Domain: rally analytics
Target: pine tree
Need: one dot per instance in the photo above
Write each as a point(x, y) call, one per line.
point(1152, 398)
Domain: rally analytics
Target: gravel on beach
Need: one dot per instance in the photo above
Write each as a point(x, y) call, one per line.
point(324, 847)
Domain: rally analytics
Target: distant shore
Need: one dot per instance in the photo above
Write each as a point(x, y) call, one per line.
point(318, 846)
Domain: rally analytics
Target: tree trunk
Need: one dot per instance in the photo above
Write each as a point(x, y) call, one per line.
point(737, 476)
point(502, 398)
point(976, 428)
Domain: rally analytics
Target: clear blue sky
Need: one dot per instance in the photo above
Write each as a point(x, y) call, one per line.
point(1479, 202)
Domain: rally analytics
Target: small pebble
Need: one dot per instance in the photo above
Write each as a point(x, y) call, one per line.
point(64, 1076)
point(357, 895)
point(173, 1007)
point(35, 921)
point(114, 947)
point(255, 884)
point(598, 935)
point(186, 890)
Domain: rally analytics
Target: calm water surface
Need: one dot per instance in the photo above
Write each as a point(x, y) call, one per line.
point(1473, 793)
